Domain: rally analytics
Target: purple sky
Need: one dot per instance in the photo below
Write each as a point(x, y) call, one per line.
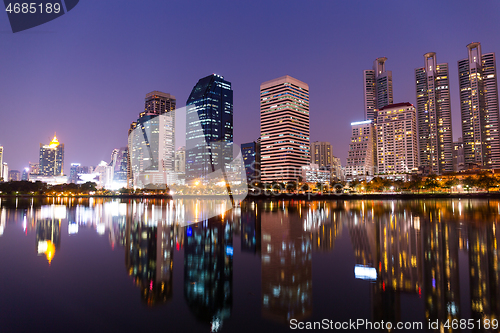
point(85, 74)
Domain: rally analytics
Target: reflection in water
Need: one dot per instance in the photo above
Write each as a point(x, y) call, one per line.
point(410, 248)
point(286, 263)
point(208, 270)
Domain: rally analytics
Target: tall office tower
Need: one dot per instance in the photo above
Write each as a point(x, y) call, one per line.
point(479, 108)
point(284, 129)
point(52, 158)
point(180, 160)
point(397, 148)
point(1, 162)
point(251, 158)
point(151, 141)
point(435, 140)
point(209, 127)
point(378, 88)
point(321, 154)
point(362, 158)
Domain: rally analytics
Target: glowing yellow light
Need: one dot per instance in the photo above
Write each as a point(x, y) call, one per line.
point(51, 250)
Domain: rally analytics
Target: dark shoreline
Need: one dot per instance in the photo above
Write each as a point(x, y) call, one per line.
point(308, 197)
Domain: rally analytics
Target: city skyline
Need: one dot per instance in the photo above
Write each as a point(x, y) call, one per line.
point(67, 87)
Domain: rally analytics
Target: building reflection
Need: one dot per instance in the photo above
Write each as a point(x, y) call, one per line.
point(484, 271)
point(250, 227)
point(208, 270)
point(149, 252)
point(48, 230)
point(286, 262)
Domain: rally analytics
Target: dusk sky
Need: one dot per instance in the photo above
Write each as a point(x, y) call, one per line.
point(85, 74)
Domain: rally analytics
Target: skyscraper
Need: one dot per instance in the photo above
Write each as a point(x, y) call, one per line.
point(209, 127)
point(52, 158)
point(479, 108)
point(362, 158)
point(435, 140)
point(284, 129)
point(397, 148)
point(377, 88)
point(151, 141)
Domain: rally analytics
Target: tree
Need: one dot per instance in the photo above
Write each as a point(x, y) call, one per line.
point(450, 182)
point(291, 187)
point(431, 182)
point(486, 181)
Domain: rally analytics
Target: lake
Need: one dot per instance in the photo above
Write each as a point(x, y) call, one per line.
point(187, 265)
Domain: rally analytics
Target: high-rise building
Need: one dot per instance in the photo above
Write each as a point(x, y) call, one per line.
point(377, 88)
point(209, 127)
point(362, 158)
point(458, 155)
point(151, 141)
point(251, 158)
point(1, 162)
point(321, 154)
point(435, 140)
point(479, 108)
point(284, 129)
point(397, 139)
point(52, 158)
point(14, 175)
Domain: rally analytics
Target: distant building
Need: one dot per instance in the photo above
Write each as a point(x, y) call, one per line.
point(321, 153)
point(458, 155)
point(151, 142)
point(118, 163)
point(52, 158)
point(397, 147)
point(26, 174)
point(1, 162)
point(284, 129)
point(209, 127)
point(251, 158)
point(435, 138)
point(14, 175)
point(180, 160)
point(377, 88)
point(34, 168)
point(362, 158)
point(479, 107)
point(5, 171)
point(313, 173)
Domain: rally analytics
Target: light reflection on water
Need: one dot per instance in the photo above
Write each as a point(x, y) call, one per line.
point(438, 256)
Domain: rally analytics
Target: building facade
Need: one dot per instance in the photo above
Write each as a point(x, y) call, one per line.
point(362, 159)
point(209, 127)
point(397, 147)
point(458, 155)
point(479, 108)
point(151, 142)
point(52, 158)
point(14, 175)
point(284, 129)
point(377, 88)
point(321, 153)
point(435, 138)
point(251, 158)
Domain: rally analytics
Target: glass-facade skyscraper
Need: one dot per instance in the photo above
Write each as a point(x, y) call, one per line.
point(209, 127)
point(479, 108)
point(435, 138)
